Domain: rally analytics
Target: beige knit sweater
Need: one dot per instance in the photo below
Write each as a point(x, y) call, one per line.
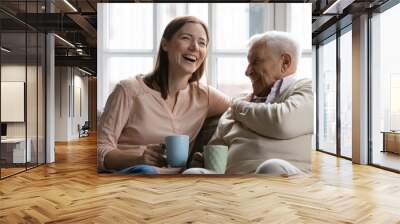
point(256, 132)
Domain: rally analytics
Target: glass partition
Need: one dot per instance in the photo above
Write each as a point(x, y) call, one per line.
point(31, 98)
point(22, 88)
point(41, 86)
point(346, 94)
point(327, 97)
point(385, 89)
point(13, 87)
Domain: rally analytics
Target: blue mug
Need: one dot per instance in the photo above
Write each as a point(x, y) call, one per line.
point(177, 147)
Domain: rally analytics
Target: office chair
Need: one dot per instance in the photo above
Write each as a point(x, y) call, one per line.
point(84, 130)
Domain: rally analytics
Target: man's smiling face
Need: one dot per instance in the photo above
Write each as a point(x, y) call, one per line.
point(263, 69)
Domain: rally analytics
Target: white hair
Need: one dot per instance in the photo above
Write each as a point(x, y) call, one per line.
point(278, 42)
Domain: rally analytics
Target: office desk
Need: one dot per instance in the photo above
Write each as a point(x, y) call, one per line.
point(391, 141)
point(13, 150)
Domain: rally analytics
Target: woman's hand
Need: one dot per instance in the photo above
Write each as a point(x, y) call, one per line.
point(154, 155)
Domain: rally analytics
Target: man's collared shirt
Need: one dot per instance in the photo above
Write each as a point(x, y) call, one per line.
point(280, 86)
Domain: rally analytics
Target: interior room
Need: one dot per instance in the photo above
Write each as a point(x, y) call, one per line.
point(61, 59)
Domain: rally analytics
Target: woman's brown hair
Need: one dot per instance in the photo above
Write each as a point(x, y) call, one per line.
point(158, 78)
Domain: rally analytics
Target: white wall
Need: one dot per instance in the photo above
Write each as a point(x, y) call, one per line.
point(79, 117)
point(61, 103)
point(13, 73)
point(314, 78)
point(71, 92)
point(33, 126)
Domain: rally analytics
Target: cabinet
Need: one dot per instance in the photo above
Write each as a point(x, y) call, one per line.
point(13, 150)
point(391, 141)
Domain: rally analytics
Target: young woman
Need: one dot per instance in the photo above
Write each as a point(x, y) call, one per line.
point(143, 110)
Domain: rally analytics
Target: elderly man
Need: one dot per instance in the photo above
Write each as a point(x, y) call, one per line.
point(270, 130)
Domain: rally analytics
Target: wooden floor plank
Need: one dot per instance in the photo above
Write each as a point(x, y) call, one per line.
point(71, 191)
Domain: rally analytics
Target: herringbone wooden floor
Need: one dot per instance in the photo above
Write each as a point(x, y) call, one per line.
point(70, 191)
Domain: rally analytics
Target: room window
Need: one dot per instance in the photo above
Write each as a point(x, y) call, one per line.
point(127, 26)
point(327, 97)
point(130, 33)
point(346, 94)
point(385, 89)
point(300, 27)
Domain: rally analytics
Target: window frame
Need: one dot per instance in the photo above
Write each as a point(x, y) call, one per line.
point(270, 22)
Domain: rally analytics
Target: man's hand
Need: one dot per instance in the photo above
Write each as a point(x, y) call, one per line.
point(154, 155)
point(245, 97)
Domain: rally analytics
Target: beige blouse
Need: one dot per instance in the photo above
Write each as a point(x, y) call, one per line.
point(136, 115)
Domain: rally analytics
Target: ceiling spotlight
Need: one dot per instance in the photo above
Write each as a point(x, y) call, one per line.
point(79, 51)
point(337, 7)
point(70, 5)
point(5, 50)
point(84, 71)
point(65, 41)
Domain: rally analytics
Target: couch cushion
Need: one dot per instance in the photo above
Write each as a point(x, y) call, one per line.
point(205, 134)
